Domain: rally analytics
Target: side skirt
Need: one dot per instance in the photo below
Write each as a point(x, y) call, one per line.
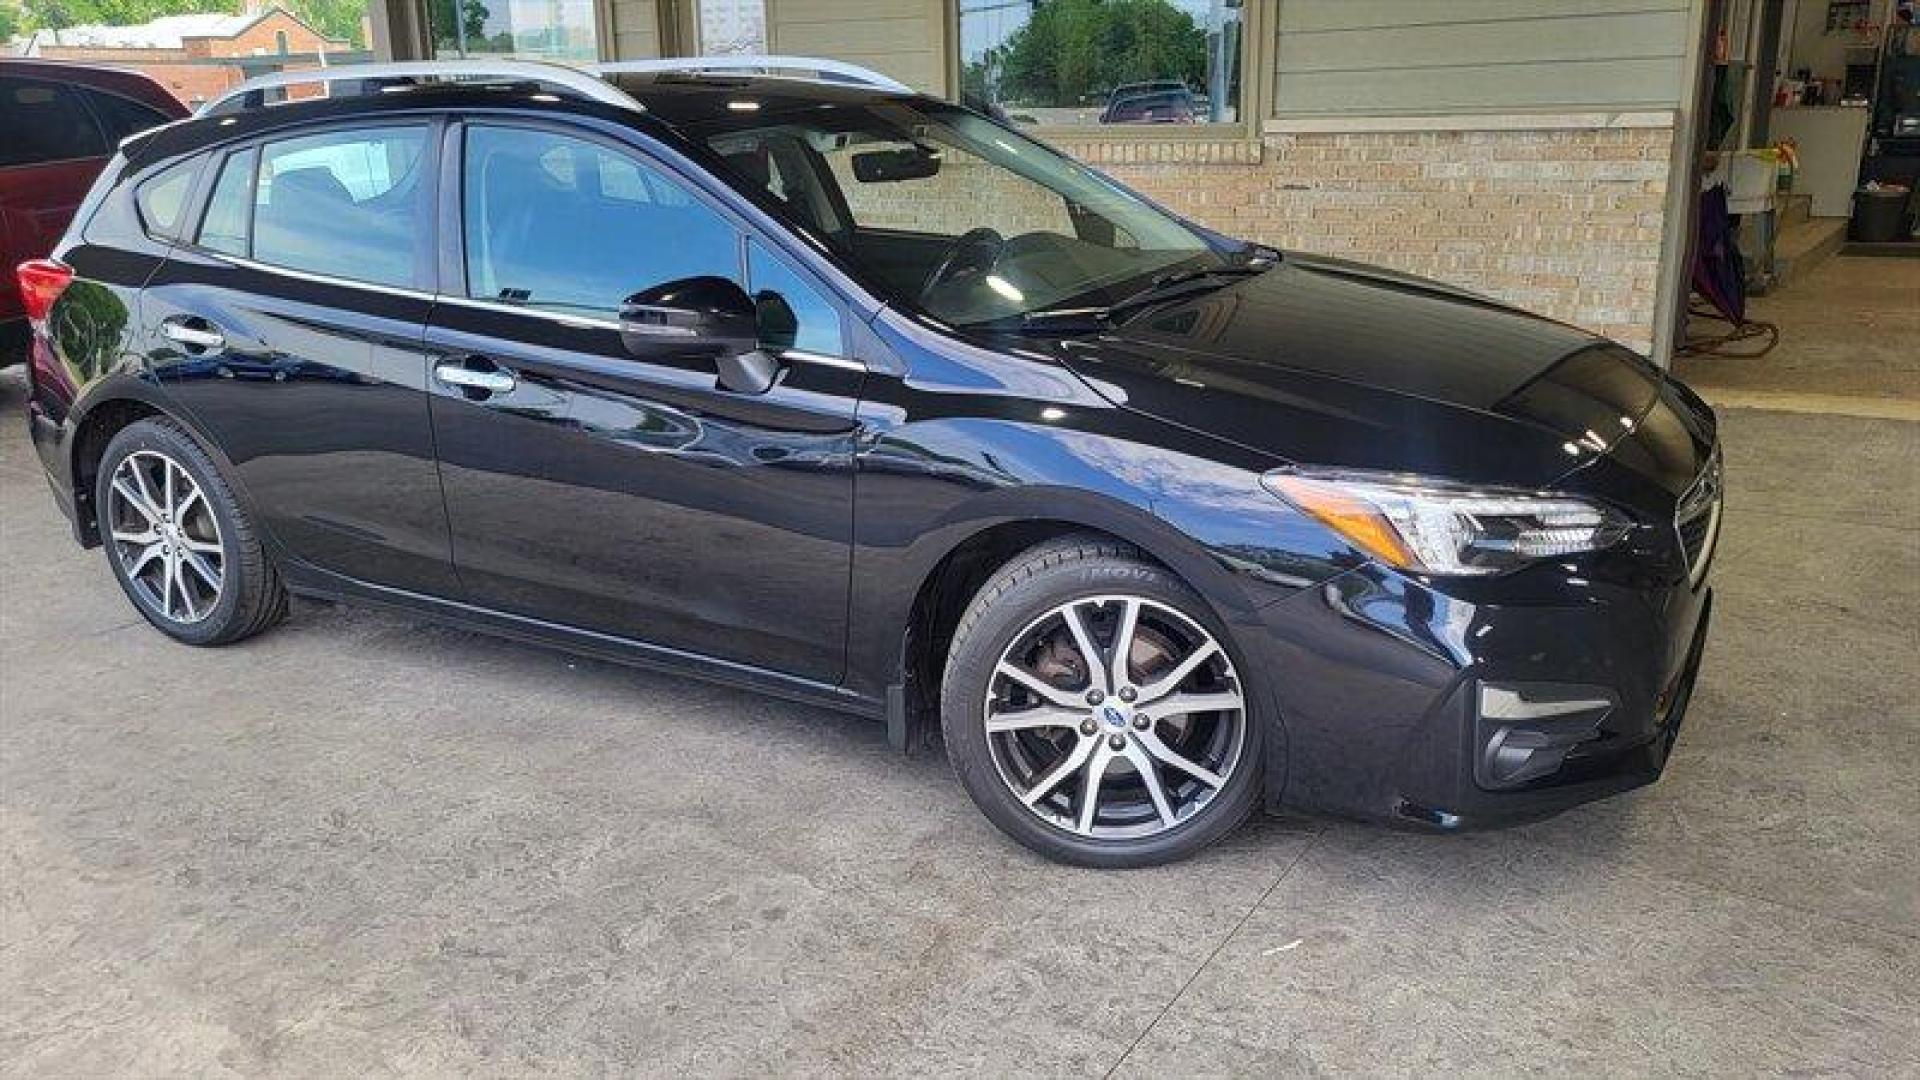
point(309, 581)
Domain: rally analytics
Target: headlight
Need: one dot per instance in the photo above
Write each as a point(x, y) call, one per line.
point(1437, 527)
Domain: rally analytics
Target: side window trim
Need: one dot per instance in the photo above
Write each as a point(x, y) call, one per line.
point(450, 258)
point(209, 186)
point(188, 234)
point(426, 265)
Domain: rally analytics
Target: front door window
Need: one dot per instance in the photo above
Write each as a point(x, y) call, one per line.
point(565, 225)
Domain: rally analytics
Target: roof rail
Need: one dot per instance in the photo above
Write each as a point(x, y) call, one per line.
point(823, 70)
point(252, 94)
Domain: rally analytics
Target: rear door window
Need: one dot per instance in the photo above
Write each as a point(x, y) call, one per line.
point(43, 122)
point(347, 204)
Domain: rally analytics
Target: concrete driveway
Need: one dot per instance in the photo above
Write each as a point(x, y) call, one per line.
point(366, 846)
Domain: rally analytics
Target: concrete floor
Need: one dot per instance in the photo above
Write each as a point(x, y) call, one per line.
point(365, 846)
point(1850, 342)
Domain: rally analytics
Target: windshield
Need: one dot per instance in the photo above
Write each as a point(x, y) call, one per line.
point(955, 215)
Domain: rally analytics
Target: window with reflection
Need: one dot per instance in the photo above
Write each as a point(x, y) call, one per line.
point(559, 30)
point(1103, 62)
point(793, 313)
point(571, 226)
point(955, 215)
point(349, 204)
point(161, 198)
point(732, 27)
point(194, 50)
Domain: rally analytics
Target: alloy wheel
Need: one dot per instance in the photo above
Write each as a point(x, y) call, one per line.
point(165, 536)
point(1115, 717)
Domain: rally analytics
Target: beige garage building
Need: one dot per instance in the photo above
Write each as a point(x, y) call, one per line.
point(1540, 151)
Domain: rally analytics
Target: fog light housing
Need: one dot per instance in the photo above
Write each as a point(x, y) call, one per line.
point(1525, 731)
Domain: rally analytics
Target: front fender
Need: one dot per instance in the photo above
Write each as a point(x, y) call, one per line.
point(924, 489)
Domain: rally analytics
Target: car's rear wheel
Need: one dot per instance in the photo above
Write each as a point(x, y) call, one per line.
point(1093, 711)
point(181, 546)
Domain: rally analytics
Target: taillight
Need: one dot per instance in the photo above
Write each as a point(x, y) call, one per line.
point(41, 283)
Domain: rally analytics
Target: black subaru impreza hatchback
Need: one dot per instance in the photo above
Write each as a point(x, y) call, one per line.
point(821, 387)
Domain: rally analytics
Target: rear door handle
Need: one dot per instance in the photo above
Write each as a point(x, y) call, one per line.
point(204, 338)
point(491, 382)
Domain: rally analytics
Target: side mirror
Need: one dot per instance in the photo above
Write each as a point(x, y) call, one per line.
point(701, 316)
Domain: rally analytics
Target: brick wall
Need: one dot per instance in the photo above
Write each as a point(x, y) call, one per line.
point(952, 200)
point(193, 72)
point(1563, 222)
point(261, 38)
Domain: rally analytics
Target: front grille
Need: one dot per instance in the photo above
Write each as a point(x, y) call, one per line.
point(1697, 520)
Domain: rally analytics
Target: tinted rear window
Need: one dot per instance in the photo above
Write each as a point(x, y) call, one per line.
point(45, 121)
point(122, 117)
point(1175, 103)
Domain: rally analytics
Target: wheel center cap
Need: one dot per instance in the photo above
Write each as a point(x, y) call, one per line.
point(1112, 715)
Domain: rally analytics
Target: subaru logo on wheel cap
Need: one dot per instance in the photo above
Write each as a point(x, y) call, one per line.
point(1113, 716)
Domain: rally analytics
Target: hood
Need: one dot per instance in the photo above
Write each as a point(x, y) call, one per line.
point(1325, 362)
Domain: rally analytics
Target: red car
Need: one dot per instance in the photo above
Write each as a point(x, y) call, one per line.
point(62, 122)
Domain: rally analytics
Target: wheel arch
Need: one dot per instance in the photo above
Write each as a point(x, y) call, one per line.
point(949, 578)
point(101, 413)
point(93, 423)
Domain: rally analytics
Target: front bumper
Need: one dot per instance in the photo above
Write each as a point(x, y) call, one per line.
point(1398, 702)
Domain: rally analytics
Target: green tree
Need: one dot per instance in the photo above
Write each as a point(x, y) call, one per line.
point(60, 14)
point(9, 22)
point(134, 12)
point(473, 13)
point(47, 15)
point(333, 18)
point(1071, 50)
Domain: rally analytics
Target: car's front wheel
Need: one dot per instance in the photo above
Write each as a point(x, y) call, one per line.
point(180, 544)
point(1093, 711)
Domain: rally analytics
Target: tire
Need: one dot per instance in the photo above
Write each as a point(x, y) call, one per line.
point(200, 537)
point(1146, 811)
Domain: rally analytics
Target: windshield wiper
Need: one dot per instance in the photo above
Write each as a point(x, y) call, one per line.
point(1171, 285)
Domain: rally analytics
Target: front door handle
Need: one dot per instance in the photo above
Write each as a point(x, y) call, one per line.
point(466, 378)
point(202, 337)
